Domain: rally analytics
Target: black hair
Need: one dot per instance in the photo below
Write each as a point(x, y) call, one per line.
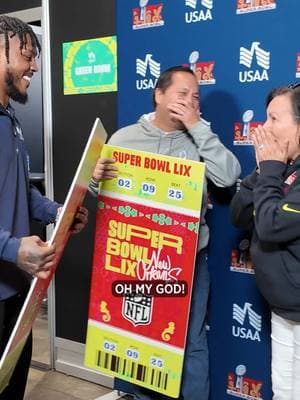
point(11, 26)
point(165, 79)
point(294, 91)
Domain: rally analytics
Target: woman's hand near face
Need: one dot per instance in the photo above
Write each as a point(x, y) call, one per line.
point(269, 148)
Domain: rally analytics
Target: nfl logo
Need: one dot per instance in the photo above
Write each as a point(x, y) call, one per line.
point(137, 308)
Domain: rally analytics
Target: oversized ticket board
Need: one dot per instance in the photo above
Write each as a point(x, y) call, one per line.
point(60, 237)
point(145, 245)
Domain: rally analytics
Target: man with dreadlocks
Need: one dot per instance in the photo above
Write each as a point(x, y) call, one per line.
point(21, 255)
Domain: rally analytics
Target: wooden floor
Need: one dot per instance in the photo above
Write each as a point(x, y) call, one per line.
point(45, 384)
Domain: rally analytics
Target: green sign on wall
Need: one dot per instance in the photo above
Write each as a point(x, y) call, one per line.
point(90, 66)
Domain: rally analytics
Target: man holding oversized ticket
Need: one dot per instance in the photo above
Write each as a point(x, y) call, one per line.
point(176, 129)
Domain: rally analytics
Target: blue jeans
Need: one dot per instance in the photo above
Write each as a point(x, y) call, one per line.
point(195, 378)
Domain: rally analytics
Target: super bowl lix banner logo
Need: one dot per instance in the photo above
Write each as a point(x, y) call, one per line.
point(248, 6)
point(144, 255)
point(240, 258)
point(204, 70)
point(298, 66)
point(240, 384)
point(243, 130)
point(147, 15)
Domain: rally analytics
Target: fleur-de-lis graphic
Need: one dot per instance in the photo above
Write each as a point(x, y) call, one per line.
point(104, 311)
point(166, 334)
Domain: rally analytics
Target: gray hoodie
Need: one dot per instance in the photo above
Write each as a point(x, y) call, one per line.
point(198, 144)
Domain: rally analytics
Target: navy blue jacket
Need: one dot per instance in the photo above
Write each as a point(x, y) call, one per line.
point(268, 203)
point(19, 202)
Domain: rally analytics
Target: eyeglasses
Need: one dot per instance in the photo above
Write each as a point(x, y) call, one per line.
point(293, 85)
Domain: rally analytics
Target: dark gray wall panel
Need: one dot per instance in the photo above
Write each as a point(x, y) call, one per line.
point(17, 5)
point(73, 116)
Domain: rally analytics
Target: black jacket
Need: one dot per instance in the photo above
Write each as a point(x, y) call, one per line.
point(268, 203)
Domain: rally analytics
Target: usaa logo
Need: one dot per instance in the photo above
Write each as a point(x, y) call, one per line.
point(204, 70)
point(147, 16)
point(262, 58)
point(248, 6)
point(243, 130)
point(298, 66)
point(240, 385)
point(198, 15)
point(249, 323)
point(149, 69)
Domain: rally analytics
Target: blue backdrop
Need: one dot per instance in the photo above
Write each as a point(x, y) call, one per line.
point(239, 51)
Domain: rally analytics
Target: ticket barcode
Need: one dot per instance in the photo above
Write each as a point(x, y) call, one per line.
point(131, 369)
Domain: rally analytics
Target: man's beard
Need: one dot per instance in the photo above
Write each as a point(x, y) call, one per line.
point(12, 91)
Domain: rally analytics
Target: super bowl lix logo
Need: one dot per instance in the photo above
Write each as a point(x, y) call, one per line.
point(240, 385)
point(198, 15)
point(298, 66)
point(247, 6)
point(240, 258)
point(247, 328)
point(147, 16)
point(142, 67)
point(137, 308)
point(202, 69)
point(262, 58)
point(243, 130)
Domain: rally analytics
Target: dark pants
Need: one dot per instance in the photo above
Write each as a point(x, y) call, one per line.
point(9, 312)
point(195, 378)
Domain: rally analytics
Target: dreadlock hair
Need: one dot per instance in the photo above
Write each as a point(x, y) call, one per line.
point(11, 26)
